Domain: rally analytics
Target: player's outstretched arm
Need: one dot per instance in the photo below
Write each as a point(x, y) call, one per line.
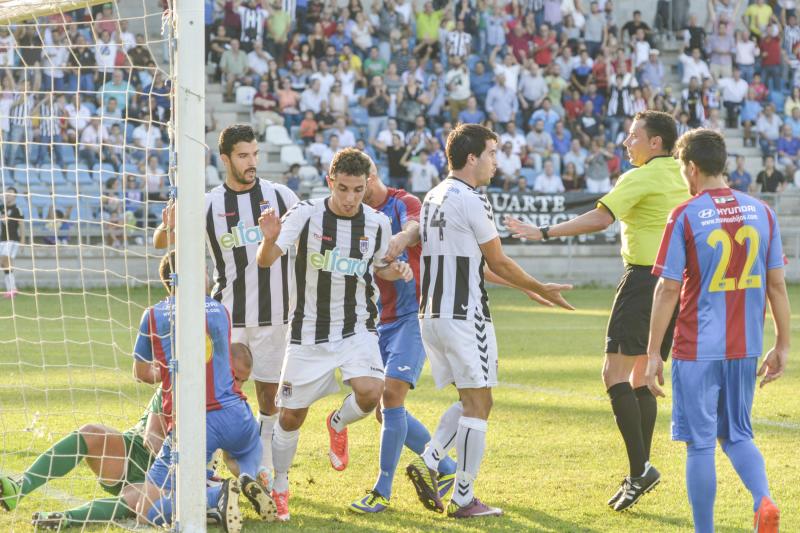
point(491, 277)
point(509, 270)
point(394, 271)
point(165, 232)
point(270, 226)
point(597, 219)
point(665, 299)
point(775, 362)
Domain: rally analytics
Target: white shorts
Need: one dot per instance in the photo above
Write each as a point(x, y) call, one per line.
point(461, 352)
point(268, 346)
point(309, 370)
point(9, 249)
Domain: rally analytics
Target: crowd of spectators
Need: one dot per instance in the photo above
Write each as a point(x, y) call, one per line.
point(560, 80)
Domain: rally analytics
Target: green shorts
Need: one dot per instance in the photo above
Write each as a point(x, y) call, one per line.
point(139, 461)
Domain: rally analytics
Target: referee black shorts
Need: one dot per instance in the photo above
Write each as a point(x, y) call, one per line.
point(629, 324)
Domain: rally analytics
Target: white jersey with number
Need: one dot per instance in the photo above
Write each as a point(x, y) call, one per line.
point(253, 296)
point(334, 270)
point(456, 219)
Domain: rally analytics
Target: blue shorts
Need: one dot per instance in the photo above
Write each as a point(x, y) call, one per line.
point(233, 429)
point(401, 349)
point(712, 400)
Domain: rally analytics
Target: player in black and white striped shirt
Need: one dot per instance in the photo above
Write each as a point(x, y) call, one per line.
point(341, 244)
point(258, 299)
point(459, 239)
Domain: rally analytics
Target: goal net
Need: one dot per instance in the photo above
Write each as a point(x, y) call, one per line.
point(87, 161)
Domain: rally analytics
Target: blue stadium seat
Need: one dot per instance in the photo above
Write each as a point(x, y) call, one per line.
point(529, 174)
point(66, 155)
point(359, 115)
point(40, 205)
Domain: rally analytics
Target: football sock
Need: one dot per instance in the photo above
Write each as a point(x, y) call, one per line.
point(470, 444)
point(267, 422)
point(648, 408)
point(416, 439)
point(701, 484)
point(393, 435)
point(56, 462)
point(348, 413)
point(444, 437)
point(284, 446)
point(629, 422)
point(9, 279)
point(100, 510)
point(749, 464)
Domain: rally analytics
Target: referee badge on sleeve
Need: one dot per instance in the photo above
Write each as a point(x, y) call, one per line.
point(363, 244)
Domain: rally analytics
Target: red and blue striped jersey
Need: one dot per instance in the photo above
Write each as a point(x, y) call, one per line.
point(400, 298)
point(154, 342)
point(720, 244)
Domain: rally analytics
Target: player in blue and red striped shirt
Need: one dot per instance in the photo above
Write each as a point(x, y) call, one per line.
point(400, 343)
point(724, 247)
point(230, 424)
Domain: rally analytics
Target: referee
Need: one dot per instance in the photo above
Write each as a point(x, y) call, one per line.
point(641, 200)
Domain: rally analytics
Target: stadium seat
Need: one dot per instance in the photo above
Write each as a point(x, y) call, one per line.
point(245, 95)
point(277, 136)
point(359, 116)
point(308, 173)
point(529, 174)
point(319, 192)
point(66, 155)
point(292, 154)
point(40, 203)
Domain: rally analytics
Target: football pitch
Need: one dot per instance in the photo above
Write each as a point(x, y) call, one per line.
point(553, 453)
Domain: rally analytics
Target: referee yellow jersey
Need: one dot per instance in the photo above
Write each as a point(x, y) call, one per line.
point(642, 200)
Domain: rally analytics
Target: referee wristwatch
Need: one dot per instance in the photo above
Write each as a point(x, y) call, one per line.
point(545, 230)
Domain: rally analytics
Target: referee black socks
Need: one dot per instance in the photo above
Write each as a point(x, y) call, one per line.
point(648, 407)
point(629, 421)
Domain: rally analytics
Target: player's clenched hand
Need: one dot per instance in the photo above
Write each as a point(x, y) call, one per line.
point(397, 245)
point(773, 366)
point(402, 269)
point(521, 230)
point(552, 293)
point(655, 371)
point(270, 224)
point(168, 215)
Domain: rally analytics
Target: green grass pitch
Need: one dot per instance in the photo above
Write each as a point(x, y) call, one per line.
point(553, 453)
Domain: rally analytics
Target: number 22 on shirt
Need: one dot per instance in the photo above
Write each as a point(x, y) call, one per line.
point(745, 236)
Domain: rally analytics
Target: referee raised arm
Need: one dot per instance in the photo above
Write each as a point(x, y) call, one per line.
point(641, 200)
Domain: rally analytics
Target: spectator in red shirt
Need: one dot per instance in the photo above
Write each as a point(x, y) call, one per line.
point(265, 109)
point(542, 43)
point(600, 72)
point(520, 42)
point(770, 47)
point(574, 106)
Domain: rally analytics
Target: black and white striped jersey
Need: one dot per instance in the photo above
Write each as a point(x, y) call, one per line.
point(456, 219)
point(333, 272)
point(254, 296)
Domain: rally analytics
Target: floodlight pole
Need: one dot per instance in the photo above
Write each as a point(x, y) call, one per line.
point(190, 383)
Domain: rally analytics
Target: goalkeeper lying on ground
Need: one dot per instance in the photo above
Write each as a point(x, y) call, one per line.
point(119, 460)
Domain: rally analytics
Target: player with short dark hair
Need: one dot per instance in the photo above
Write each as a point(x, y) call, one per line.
point(640, 201)
point(230, 424)
point(721, 256)
point(341, 245)
point(256, 298)
point(459, 238)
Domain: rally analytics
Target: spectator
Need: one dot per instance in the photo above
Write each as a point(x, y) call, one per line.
point(326, 79)
point(428, 23)
point(620, 106)
point(540, 144)
point(410, 102)
point(258, 60)
point(787, 147)
point(543, 45)
point(532, 90)
point(548, 182)
point(519, 42)
point(562, 140)
point(577, 156)
point(750, 112)
point(212, 174)
point(398, 174)
point(374, 65)
point(111, 212)
point(770, 179)
point(105, 54)
point(740, 179)
point(556, 85)
point(632, 27)
point(376, 102)
point(768, 127)
point(720, 48)
point(516, 138)
point(652, 72)
point(458, 42)
point(692, 103)
point(570, 178)
point(510, 69)
point(641, 49)
point(346, 137)
point(521, 186)
point(746, 53)
point(422, 174)
point(501, 102)
point(770, 46)
point(458, 85)
point(419, 137)
point(547, 115)
point(361, 33)
point(292, 177)
point(794, 122)
point(508, 166)
point(598, 175)
point(480, 82)
point(694, 36)
point(792, 102)
point(694, 67)
point(233, 67)
point(734, 92)
point(594, 32)
point(338, 102)
point(757, 17)
point(437, 157)
point(308, 128)
point(588, 125)
point(471, 114)
point(265, 109)
point(288, 102)
point(495, 28)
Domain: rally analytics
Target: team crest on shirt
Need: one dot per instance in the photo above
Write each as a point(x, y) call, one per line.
point(286, 389)
point(363, 244)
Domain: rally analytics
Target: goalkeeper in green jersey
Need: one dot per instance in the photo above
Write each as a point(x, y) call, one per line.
point(119, 460)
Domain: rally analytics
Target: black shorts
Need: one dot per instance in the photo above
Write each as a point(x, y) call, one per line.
point(629, 324)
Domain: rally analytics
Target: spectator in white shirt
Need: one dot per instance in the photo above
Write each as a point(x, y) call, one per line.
point(509, 68)
point(540, 144)
point(577, 156)
point(548, 182)
point(423, 176)
point(385, 136)
point(734, 91)
point(641, 49)
point(768, 127)
point(746, 53)
point(311, 98)
point(457, 83)
point(346, 137)
point(326, 79)
point(258, 60)
point(694, 67)
point(105, 53)
point(458, 42)
point(508, 166)
point(516, 138)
